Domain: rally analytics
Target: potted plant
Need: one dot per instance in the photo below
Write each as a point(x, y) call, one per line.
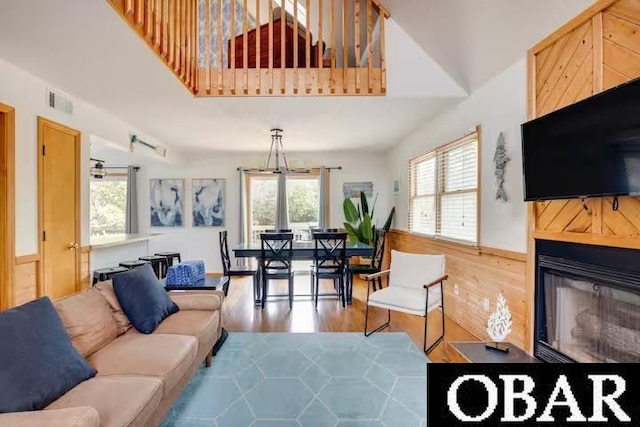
point(359, 221)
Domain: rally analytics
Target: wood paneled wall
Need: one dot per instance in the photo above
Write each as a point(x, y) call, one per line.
point(25, 287)
point(597, 50)
point(479, 273)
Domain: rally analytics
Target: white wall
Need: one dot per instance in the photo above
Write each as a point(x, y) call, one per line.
point(202, 242)
point(499, 106)
point(26, 93)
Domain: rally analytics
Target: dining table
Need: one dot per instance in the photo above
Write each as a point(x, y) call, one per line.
point(303, 250)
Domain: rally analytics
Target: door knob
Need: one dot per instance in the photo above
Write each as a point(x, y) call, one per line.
point(72, 246)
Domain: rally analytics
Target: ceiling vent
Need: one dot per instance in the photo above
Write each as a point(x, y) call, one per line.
point(58, 102)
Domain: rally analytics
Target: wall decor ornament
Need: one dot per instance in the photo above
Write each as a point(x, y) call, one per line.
point(499, 325)
point(167, 202)
point(352, 190)
point(500, 159)
point(208, 202)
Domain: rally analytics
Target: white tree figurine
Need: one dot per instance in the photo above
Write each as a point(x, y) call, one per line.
point(499, 324)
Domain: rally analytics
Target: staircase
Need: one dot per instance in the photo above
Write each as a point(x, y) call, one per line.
point(266, 47)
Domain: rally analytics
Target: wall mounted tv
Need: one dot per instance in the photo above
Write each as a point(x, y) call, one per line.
point(588, 149)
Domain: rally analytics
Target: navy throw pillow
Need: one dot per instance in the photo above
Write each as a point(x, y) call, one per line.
point(143, 299)
point(38, 363)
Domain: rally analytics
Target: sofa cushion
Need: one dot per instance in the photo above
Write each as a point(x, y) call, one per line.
point(106, 288)
point(197, 300)
point(120, 401)
point(203, 325)
point(38, 363)
point(79, 416)
point(88, 320)
point(143, 299)
point(167, 357)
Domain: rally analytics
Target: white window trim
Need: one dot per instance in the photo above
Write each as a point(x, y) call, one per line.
point(474, 135)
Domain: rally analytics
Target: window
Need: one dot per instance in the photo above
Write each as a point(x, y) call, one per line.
point(444, 191)
point(302, 11)
point(303, 201)
point(108, 206)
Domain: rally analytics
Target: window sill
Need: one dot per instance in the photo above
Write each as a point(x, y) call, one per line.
point(452, 244)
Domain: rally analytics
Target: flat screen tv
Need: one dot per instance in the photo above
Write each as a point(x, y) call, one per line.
point(588, 149)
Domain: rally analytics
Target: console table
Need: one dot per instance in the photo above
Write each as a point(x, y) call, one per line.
point(476, 352)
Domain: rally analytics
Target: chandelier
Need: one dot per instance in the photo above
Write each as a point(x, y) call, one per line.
point(280, 165)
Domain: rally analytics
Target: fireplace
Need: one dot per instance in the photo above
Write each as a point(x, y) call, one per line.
point(587, 303)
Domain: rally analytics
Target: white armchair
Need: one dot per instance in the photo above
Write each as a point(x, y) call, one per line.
point(412, 288)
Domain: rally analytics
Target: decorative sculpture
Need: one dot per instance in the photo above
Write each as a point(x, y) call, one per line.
point(501, 159)
point(499, 326)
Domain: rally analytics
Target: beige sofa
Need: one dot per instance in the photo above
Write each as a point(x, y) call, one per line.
point(139, 376)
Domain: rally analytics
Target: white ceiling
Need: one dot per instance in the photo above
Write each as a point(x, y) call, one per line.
point(476, 39)
point(85, 49)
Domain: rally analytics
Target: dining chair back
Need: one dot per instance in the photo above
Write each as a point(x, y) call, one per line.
point(329, 262)
point(276, 261)
point(224, 252)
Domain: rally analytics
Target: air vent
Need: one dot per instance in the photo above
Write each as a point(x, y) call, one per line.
point(58, 102)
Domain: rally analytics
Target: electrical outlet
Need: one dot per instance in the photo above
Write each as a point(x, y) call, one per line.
point(486, 304)
point(456, 289)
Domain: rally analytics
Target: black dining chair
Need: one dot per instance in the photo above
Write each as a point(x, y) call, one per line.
point(329, 262)
point(276, 259)
point(376, 262)
point(239, 271)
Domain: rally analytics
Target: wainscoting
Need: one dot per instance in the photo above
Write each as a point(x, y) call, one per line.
point(479, 273)
point(26, 287)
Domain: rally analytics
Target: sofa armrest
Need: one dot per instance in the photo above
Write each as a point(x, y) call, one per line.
point(82, 416)
point(198, 300)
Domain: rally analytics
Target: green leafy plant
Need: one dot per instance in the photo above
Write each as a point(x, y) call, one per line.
point(359, 220)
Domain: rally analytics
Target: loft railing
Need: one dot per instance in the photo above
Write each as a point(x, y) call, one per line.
point(266, 47)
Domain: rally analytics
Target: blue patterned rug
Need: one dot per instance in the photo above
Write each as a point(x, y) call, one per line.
point(308, 380)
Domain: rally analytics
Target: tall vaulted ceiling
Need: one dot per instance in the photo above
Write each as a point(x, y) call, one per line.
point(438, 51)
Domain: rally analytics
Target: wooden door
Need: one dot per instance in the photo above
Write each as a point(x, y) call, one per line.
point(7, 205)
point(59, 203)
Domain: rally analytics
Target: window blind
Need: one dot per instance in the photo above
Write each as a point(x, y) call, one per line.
point(443, 188)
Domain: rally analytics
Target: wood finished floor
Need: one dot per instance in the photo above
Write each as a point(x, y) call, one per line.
point(239, 315)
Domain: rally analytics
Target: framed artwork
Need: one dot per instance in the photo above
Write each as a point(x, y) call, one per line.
point(208, 201)
point(397, 186)
point(352, 189)
point(167, 202)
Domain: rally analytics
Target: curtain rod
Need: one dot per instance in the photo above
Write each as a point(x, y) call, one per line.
point(137, 168)
point(292, 169)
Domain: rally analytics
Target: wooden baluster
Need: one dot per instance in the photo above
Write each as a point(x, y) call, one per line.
point(258, 53)
point(129, 8)
point(283, 46)
point(207, 47)
point(307, 48)
point(165, 28)
point(148, 24)
point(357, 43)
point(270, 46)
point(179, 52)
point(345, 46)
point(195, 30)
point(334, 46)
point(320, 43)
point(157, 22)
point(383, 61)
point(188, 30)
point(221, 49)
point(172, 31)
point(245, 47)
point(295, 46)
point(370, 44)
point(233, 46)
point(183, 37)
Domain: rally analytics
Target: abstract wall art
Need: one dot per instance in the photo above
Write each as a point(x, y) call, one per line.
point(208, 202)
point(167, 202)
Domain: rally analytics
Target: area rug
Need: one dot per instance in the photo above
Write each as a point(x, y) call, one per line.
point(308, 380)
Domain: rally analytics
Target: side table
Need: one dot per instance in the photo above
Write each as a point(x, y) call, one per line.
point(476, 352)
